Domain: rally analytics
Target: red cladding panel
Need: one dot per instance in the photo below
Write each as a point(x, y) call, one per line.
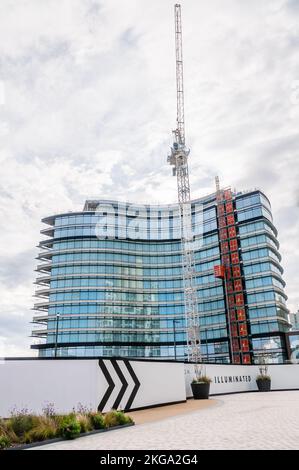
point(232, 232)
point(231, 300)
point(243, 329)
point(228, 274)
point(240, 314)
point(224, 247)
point(232, 315)
point(238, 285)
point(235, 257)
point(221, 209)
point(234, 330)
point(226, 260)
point(245, 345)
point(236, 271)
point(219, 271)
point(246, 359)
point(223, 234)
point(230, 287)
point(230, 220)
point(229, 207)
point(236, 359)
point(239, 299)
point(233, 244)
point(222, 222)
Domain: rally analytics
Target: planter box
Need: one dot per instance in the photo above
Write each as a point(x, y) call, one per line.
point(263, 385)
point(60, 439)
point(200, 391)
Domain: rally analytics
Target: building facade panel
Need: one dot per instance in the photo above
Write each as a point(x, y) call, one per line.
point(110, 281)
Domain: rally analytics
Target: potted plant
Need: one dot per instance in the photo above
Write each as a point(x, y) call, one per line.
point(263, 383)
point(263, 380)
point(200, 386)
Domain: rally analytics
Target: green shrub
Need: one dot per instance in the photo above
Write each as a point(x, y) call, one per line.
point(263, 377)
point(69, 427)
point(28, 428)
point(110, 419)
point(123, 418)
point(84, 422)
point(202, 379)
point(44, 428)
point(21, 424)
point(116, 418)
point(58, 419)
point(97, 420)
point(6, 431)
point(4, 442)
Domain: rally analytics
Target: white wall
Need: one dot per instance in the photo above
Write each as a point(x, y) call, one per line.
point(234, 378)
point(66, 383)
point(284, 376)
point(162, 382)
point(32, 383)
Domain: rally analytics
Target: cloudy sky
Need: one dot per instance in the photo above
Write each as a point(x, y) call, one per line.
point(87, 104)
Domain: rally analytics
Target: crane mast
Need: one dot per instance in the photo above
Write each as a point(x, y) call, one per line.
point(179, 160)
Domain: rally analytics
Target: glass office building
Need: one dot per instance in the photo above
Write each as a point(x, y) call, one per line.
point(110, 281)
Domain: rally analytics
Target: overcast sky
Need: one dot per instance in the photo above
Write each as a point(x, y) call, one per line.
point(87, 104)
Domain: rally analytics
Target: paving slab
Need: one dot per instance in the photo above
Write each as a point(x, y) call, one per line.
point(162, 412)
point(242, 421)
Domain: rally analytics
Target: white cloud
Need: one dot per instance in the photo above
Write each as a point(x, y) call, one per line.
point(89, 106)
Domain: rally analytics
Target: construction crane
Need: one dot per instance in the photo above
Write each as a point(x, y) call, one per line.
point(179, 160)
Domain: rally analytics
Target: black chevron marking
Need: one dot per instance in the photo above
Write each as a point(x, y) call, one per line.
point(123, 381)
point(136, 387)
point(110, 387)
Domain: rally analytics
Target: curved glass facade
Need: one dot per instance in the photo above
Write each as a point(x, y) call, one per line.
point(110, 281)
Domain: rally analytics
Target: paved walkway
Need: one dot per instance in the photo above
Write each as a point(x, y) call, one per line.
point(242, 421)
point(162, 412)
